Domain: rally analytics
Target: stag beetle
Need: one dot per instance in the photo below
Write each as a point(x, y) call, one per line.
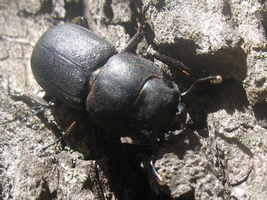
point(124, 93)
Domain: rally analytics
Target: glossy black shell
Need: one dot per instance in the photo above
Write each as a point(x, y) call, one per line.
point(130, 95)
point(124, 93)
point(63, 60)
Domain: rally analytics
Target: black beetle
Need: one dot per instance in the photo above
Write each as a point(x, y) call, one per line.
point(125, 94)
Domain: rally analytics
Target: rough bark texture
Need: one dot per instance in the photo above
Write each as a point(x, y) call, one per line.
point(223, 155)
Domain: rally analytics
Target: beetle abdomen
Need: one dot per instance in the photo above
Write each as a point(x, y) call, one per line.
point(64, 58)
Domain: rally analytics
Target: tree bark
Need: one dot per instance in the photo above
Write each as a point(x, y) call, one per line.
point(222, 155)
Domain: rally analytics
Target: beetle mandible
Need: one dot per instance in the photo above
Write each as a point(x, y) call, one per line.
point(125, 94)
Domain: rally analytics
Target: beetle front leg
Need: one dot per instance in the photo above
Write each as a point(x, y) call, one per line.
point(168, 61)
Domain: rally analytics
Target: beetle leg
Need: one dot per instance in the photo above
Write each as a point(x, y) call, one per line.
point(181, 67)
point(30, 100)
point(159, 177)
point(140, 33)
point(134, 40)
point(64, 134)
point(81, 21)
point(212, 79)
point(169, 61)
point(35, 102)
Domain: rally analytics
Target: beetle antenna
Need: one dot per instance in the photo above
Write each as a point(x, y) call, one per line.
point(212, 79)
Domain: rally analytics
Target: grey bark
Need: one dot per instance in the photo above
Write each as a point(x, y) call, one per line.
point(221, 156)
